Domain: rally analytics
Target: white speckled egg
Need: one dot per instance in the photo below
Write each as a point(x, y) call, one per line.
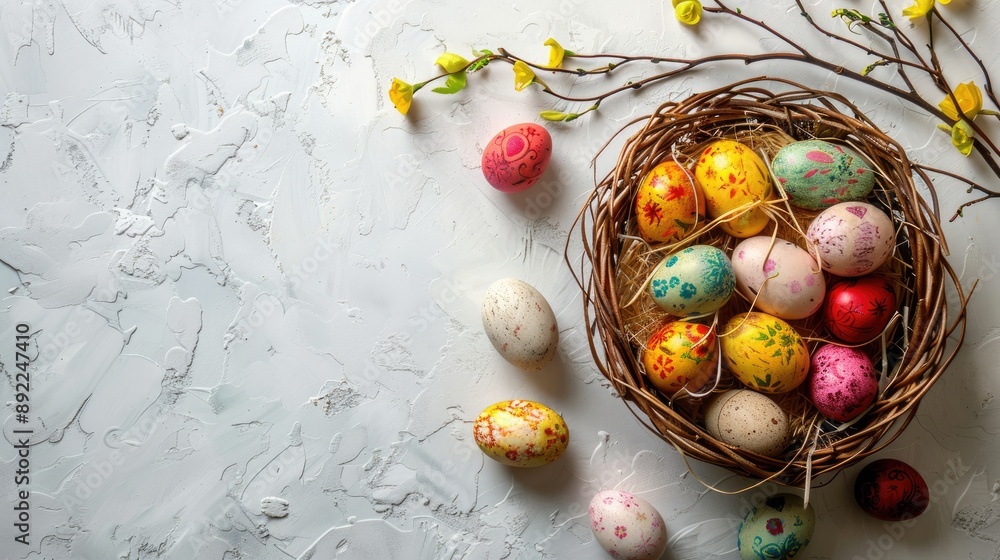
point(521, 433)
point(520, 324)
point(794, 287)
point(778, 529)
point(693, 281)
point(748, 420)
point(627, 526)
point(853, 238)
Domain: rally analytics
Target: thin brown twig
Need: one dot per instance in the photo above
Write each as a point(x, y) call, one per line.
point(925, 60)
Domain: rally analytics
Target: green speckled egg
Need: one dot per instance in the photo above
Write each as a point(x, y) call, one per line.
point(778, 529)
point(817, 174)
point(693, 281)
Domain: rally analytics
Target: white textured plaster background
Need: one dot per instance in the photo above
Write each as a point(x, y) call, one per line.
point(252, 278)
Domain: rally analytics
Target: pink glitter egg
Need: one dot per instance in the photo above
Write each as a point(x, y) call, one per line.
point(516, 157)
point(843, 382)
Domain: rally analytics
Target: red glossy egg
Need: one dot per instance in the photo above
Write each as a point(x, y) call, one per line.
point(856, 310)
point(516, 157)
point(891, 490)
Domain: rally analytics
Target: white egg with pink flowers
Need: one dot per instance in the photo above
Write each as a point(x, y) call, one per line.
point(627, 526)
point(779, 277)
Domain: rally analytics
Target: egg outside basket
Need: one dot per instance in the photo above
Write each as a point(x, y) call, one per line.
point(912, 353)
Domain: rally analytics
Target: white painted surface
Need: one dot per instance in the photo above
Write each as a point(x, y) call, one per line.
point(255, 281)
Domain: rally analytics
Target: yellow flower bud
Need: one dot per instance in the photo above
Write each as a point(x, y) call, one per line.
point(687, 11)
point(451, 62)
point(523, 75)
point(970, 100)
point(963, 137)
point(552, 115)
point(401, 95)
point(556, 52)
point(920, 8)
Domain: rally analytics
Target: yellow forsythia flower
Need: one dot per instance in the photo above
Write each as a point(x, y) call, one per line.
point(556, 52)
point(970, 100)
point(451, 62)
point(963, 137)
point(687, 11)
point(921, 7)
point(523, 75)
point(401, 95)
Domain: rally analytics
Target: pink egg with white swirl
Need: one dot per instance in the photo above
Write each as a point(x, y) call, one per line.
point(516, 157)
point(852, 238)
point(842, 383)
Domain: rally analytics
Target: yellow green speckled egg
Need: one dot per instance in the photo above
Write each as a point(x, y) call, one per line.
point(521, 433)
point(732, 176)
point(764, 352)
point(668, 205)
point(680, 354)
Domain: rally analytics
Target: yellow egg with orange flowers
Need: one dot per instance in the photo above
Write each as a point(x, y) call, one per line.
point(764, 352)
point(521, 433)
point(668, 205)
point(680, 354)
point(735, 181)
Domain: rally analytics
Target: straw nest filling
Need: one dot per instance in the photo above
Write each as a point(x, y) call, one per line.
point(911, 354)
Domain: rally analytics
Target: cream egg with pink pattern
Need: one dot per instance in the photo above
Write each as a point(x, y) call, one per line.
point(627, 526)
point(852, 238)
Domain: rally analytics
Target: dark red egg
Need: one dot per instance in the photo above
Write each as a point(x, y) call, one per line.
point(891, 490)
point(856, 310)
point(516, 157)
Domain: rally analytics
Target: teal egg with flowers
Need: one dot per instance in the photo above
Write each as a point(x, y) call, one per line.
point(817, 174)
point(778, 529)
point(696, 280)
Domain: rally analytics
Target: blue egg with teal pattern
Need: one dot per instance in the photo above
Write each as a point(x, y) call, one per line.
point(778, 529)
point(697, 280)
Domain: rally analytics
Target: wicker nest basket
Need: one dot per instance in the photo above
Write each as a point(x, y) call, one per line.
point(912, 353)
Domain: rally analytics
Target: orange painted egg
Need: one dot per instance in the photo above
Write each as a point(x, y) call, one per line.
point(668, 205)
point(680, 354)
point(521, 433)
point(516, 157)
point(735, 181)
point(764, 352)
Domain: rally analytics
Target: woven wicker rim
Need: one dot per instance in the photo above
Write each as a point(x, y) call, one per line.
point(802, 113)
